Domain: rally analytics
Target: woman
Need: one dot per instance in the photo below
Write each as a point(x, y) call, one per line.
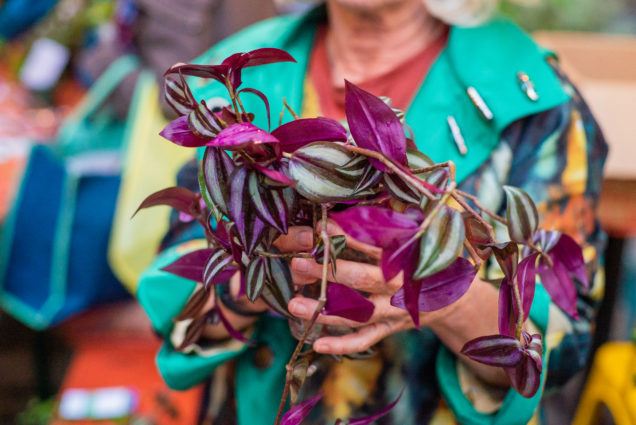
point(483, 95)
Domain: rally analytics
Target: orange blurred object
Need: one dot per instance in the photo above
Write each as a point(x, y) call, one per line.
point(114, 347)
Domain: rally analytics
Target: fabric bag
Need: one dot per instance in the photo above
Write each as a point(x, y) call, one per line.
point(151, 164)
point(54, 241)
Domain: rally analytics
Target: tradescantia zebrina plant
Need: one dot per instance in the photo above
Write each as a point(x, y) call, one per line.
point(255, 184)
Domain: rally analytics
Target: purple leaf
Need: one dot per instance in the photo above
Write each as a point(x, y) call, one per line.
point(233, 332)
point(217, 72)
point(569, 253)
point(394, 258)
point(507, 256)
point(376, 226)
point(525, 377)
point(343, 301)
point(262, 96)
point(526, 281)
point(240, 135)
point(179, 133)
point(190, 266)
point(557, 281)
point(369, 419)
point(507, 318)
point(494, 350)
point(442, 288)
point(298, 133)
point(374, 125)
point(298, 413)
point(179, 198)
point(266, 56)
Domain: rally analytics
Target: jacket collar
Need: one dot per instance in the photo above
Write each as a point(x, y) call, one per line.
point(489, 59)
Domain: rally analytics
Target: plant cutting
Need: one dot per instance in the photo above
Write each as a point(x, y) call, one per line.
point(256, 183)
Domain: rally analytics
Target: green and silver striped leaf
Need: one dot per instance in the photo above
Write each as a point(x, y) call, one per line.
point(217, 168)
point(268, 203)
point(442, 242)
point(255, 277)
point(521, 214)
point(215, 265)
point(317, 170)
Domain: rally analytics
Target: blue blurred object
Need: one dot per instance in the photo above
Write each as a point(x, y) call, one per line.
point(18, 15)
point(54, 244)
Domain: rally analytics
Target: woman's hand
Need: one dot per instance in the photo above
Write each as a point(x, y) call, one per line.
point(474, 315)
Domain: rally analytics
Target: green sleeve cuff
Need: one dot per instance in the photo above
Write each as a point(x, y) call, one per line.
point(515, 409)
point(182, 371)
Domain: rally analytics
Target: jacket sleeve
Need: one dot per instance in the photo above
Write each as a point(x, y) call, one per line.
point(163, 296)
point(557, 157)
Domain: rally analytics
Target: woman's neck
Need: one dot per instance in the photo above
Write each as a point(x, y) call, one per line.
point(364, 42)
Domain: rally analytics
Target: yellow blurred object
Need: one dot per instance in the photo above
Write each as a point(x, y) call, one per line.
point(612, 382)
point(151, 164)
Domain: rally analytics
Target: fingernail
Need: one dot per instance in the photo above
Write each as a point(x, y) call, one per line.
point(298, 309)
point(300, 265)
point(305, 238)
point(322, 347)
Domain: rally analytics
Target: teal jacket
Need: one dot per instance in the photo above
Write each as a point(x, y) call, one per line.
point(487, 59)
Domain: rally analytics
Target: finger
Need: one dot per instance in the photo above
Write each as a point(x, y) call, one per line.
point(333, 229)
point(363, 339)
point(304, 308)
point(298, 238)
point(359, 276)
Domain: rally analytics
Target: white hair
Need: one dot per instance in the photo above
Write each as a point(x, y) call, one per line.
point(454, 12)
point(462, 12)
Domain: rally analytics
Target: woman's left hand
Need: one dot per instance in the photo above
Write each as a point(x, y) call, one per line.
point(386, 319)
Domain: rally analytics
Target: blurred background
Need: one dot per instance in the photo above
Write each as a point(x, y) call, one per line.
point(74, 69)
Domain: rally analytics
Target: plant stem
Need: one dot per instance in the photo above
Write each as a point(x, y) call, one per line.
point(482, 207)
point(457, 195)
point(429, 218)
point(288, 255)
point(431, 168)
point(411, 179)
point(232, 93)
point(289, 108)
point(321, 303)
point(517, 295)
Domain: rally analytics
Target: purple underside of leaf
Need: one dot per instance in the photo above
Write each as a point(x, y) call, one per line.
point(557, 282)
point(179, 198)
point(179, 133)
point(233, 332)
point(266, 56)
point(376, 226)
point(440, 289)
point(298, 413)
point(191, 265)
point(569, 253)
point(506, 318)
point(343, 301)
point(300, 132)
point(274, 175)
point(526, 280)
point(240, 135)
point(374, 125)
point(370, 419)
point(217, 72)
point(494, 350)
point(394, 260)
point(525, 378)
